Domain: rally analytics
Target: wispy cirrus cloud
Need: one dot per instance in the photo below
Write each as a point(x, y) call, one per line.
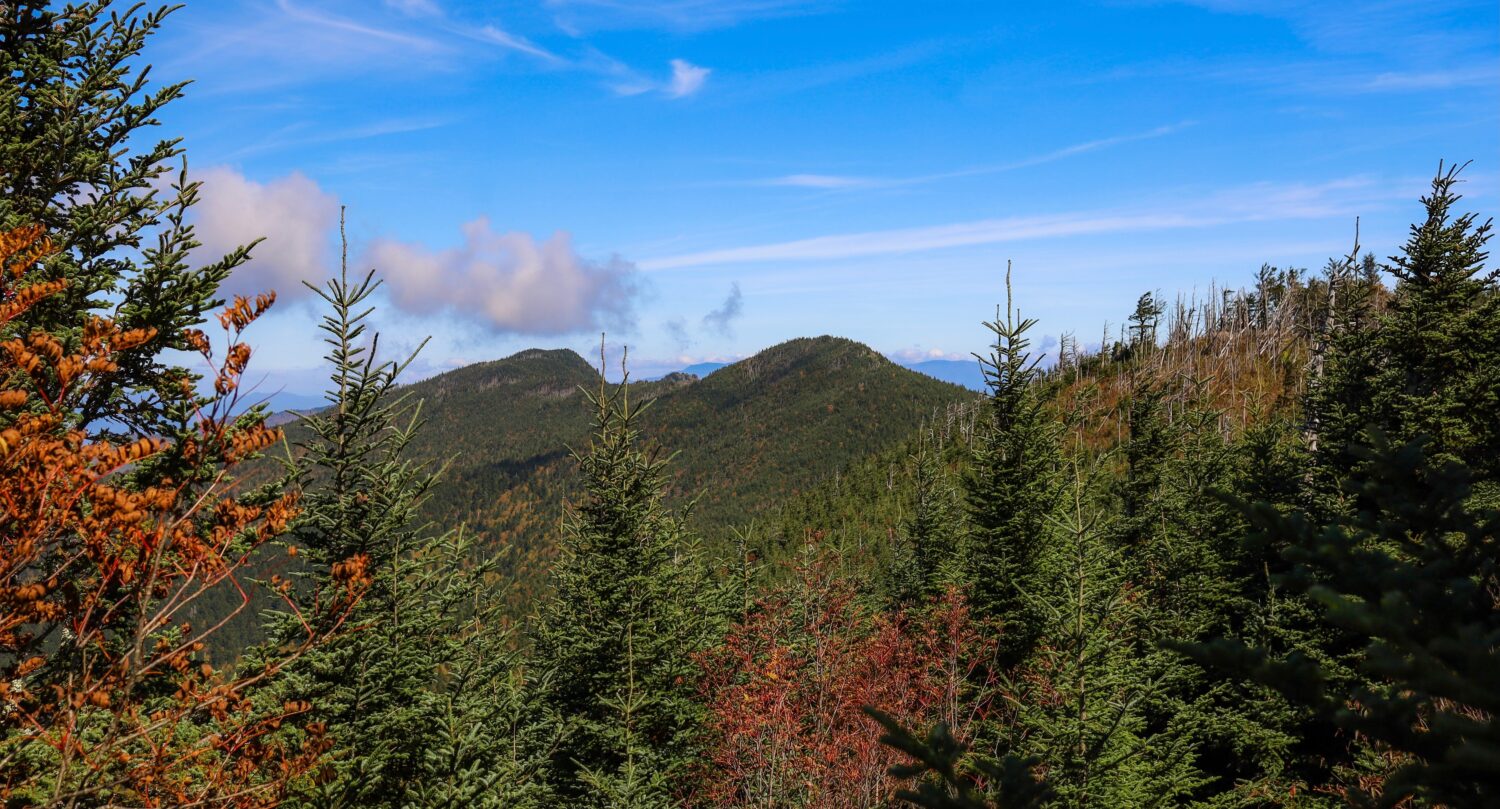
point(675, 15)
point(291, 42)
point(347, 25)
point(685, 78)
point(416, 8)
point(495, 35)
point(1366, 26)
point(833, 182)
point(1357, 47)
point(236, 49)
point(1477, 76)
point(1258, 202)
point(787, 81)
point(302, 135)
point(1337, 77)
point(825, 182)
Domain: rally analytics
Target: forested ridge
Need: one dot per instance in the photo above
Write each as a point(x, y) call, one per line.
point(742, 439)
point(1240, 553)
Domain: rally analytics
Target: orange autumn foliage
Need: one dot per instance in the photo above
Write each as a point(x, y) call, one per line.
point(105, 547)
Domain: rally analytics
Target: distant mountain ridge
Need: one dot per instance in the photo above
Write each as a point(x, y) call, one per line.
point(746, 436)
point(703, 369)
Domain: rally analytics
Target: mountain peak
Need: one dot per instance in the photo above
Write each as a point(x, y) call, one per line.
point(801, 357)
point(547, 371)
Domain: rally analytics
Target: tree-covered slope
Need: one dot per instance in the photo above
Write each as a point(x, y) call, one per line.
point(746, 438)
point(770, 425)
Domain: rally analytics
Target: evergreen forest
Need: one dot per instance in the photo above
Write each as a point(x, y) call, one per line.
point(1243, 551)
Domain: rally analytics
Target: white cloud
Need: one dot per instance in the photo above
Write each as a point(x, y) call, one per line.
point(1258, 202)
point(347, 26)
point(915, 354)
point(416, 8)
point(674, 15)
point(1486, 75)
point(510, 282)
point(821, 181)
point(505, 39)
point(687, 79)
point(830, 182)
point(295, 216)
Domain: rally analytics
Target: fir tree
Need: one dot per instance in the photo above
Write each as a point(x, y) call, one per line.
point(632, 606)
point(76, 109)
point(1143, 322)
point(1081, 699)
point(931, 534)
point(1009, 489)
point(1176, 556)
point(1148, 451)
point(952, 779)
point(423, 700)
point(1440, 344)
point(1412, 574)
point(1430, 364)
point(1247, 738)
point(484, 736)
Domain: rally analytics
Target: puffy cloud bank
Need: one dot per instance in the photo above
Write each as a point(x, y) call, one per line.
point(510, 282)
point(296, 217)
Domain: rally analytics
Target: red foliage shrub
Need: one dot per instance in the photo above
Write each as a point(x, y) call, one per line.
point(786, 688)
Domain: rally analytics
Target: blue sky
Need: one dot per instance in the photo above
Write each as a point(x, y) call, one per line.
point(704, 178)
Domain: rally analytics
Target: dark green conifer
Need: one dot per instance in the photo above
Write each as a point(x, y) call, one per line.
point(425, 700)
point(1149, 447)
point(632, 606)
point(949, 777)
point(1429, 365)
point(1010, 489)
point(1412, 575)
point(1091, 726)
point(76, 111)
point(1404, 366)
point(1143, 323)
point(930, 551)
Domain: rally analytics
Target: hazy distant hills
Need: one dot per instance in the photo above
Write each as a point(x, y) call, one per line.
point(703, 368)
point(747, 436)
point(966, 373)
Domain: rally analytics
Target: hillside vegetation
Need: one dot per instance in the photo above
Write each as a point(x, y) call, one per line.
point(742, 440)
point(1245, 554)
